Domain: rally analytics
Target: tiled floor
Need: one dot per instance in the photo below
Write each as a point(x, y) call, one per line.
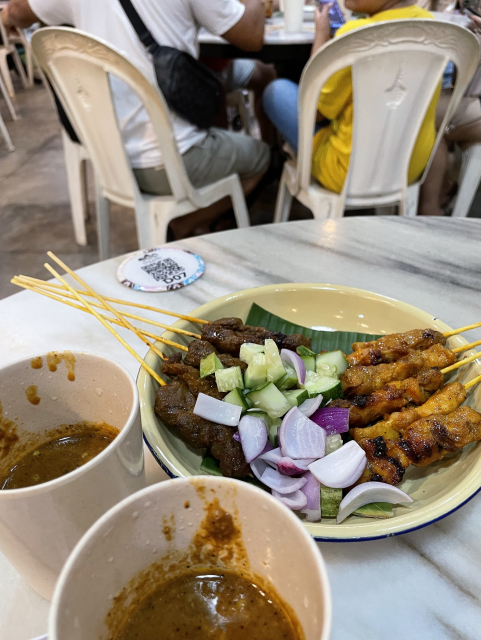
point(34, 203)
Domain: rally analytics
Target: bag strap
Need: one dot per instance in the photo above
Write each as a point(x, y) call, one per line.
point(144, 34)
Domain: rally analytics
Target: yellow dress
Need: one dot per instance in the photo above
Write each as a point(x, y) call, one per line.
point(332, 145)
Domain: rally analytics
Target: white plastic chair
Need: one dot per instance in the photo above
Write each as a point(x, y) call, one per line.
point(78, 66)
point(3, 127)
point(9, 49)
point(22, 39)
point(469, 180)
point(396, 67)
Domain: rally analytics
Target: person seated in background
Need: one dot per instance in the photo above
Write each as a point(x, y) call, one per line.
point(332, 143)
point(208, 155)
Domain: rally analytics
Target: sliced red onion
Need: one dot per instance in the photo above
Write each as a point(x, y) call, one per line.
point(341, 468)
point(236, 436)
point(282, 484)
point(295, 361)
point(272, 457)
point(300, 438)
point(258, 466)
point(312, 491)
point(217, 411)
point(295, 500)
point(308, 407)
point(366, 494)
point(253, 437)
point(290, 467)
point(332, 419)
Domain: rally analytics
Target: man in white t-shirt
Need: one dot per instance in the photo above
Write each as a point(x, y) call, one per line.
point(208, 155)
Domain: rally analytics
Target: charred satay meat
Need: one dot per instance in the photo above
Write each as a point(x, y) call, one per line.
point(425, 441)
point(364, 409)
point(199, 349)
point(228, 334)
point(394, 346)
point(361, 379)
point(442, 402)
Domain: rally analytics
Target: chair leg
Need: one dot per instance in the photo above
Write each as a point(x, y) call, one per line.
point(3, 91)
point(5, 134)
point(409, 204)
point(103, 224)
point(76, 182)
point(29, 61)
point(469, 181)
point(283, 202)
point(239, 205)
point(19, 66)
point(5, 71)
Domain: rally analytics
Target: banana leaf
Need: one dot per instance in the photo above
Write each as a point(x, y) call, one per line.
point(321, 340)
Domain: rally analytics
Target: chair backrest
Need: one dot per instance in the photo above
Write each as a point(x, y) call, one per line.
point(396, 68)
point(79, 67)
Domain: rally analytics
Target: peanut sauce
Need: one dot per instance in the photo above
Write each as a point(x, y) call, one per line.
point(36, 363)
point(31, 393)
point(54, 358)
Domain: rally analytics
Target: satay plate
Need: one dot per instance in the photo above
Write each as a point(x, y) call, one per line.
point(437, 490)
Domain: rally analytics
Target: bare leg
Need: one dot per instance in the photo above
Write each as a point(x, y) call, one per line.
point(263, 75)
point(197, 223)
point(430, 195)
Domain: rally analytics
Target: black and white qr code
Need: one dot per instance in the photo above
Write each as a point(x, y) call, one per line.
point(166, 270)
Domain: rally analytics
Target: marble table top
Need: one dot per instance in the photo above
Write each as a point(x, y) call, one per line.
point(424, 585)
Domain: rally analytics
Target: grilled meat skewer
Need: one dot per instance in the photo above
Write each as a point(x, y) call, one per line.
point(228, 334)
point(359, 380)
point(425, 441)
point(364, 409)
point(392, 347)
point(443, 402)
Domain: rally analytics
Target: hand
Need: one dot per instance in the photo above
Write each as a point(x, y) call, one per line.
point(323, 27)
point(5, 18)
point(475, 23)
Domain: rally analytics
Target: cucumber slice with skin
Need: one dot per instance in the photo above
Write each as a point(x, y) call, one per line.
point(330, 501)
point(275, 368)
point(268, 398)
point(331, 359)
point(209, 365)
point(296, 397)
point(237, 397)
point(309, 362)
point(289, 380)
point(272, 433)
point(329, 387)
point(229, 379)
point(304, 352)
point(256, 372)
point(248, 349)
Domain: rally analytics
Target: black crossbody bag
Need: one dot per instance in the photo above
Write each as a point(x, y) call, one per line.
point(189, 88)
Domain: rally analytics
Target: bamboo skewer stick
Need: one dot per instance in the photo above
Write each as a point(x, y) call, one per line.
point(454, 332)
point(82, 308)
point(472, 382)
point(20, 283)
point(465, 347)
point(107, 326)
point(107, 306)
point(123, 302)
point(461, 363)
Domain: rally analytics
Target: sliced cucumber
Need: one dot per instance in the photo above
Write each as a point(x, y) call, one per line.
point(229, 379)
point(209, 365)
point(272, 431)
point(237, 397)
point(268, 398)
point(275, 368)
point(296, 397)
point(332, 363)
point(289, 380)
point(304, 352)
point(248, 349)
point(329, 387)
point(330, 501)
point(309, 362)
point(333, 443)
point(256, 372)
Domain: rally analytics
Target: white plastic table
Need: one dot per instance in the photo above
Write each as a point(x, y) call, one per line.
point(425, 585)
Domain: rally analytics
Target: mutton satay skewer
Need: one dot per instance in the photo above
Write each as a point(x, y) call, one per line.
point(391, 347)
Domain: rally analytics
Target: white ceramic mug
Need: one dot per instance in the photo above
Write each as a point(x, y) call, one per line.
point(40, 525)
point(128, 539)
point(293, 15)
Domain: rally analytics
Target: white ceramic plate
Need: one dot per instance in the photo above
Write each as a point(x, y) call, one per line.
point(437, 490)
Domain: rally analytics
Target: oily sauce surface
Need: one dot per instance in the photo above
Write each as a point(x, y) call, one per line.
point(209, 604)
point(74, 447)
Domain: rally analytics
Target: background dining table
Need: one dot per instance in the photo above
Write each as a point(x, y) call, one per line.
point(425, 585)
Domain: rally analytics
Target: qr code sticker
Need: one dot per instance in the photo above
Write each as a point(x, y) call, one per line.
point(166, 270)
